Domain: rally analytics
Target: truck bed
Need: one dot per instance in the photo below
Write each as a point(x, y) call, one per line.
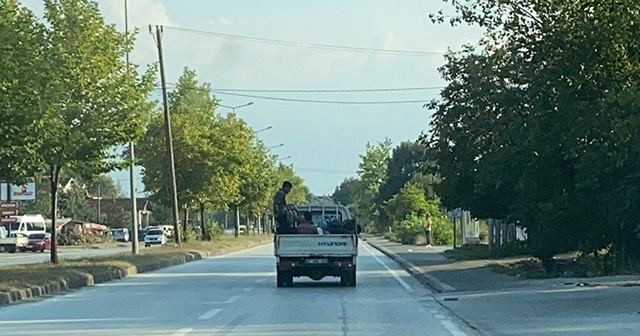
point(329, 245)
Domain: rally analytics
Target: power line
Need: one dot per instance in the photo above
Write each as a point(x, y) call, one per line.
point(310, 45)
point(226, 92)
point(335, 90)
point(322, 101)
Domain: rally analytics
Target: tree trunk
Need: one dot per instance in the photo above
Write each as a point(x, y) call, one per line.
point(55, 175)
point(205, 235)
point(184, 224)
point(236, 210)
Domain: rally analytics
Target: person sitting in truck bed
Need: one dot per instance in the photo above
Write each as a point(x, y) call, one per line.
point(307, 227)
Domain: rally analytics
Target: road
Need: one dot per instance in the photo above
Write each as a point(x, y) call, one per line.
point(63, 253)
point(236, 294)
point(564, 310)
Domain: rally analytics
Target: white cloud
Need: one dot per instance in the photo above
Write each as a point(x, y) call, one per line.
point(141, 14)
point(224, 21)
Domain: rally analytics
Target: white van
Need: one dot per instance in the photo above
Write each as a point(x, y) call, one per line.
point(27, 224)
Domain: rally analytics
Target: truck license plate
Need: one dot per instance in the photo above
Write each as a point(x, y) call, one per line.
point(316, 261)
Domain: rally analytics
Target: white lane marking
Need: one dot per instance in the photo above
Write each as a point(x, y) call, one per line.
point(74, 320)
point(395, 275)
point(247, 289)
point(211, 313)
point(230, 300)
point(182, 332)
point(444, 321)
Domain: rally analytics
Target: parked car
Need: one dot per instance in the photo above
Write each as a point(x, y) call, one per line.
point(121, 234)
point(141, 234)
point(39, 242)
point(155, 237)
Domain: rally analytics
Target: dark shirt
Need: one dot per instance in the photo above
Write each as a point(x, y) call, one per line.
point(279, 203)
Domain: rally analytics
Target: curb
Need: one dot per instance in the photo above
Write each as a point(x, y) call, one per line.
point(424, 278)
point(88, 280)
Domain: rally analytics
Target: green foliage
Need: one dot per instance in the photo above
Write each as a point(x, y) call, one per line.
point(189, 235)
point(104, 186)
point(371, 173)
point(21, 71)
point(410, 201)
point(441, 230)
point(347, 191)
point(407, 160)
point(214, 231)
point(539, 125)
point(73, 204)
point(405, 231)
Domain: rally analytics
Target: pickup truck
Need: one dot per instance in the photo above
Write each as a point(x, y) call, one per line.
point(12, 242)
point(317, 256)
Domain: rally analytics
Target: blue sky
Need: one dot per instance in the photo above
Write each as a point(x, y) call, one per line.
point(323, 140)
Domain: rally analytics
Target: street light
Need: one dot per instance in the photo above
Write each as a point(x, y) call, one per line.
point(233, 108)
point(264, 129)
point(285, 158)
point(276, 146)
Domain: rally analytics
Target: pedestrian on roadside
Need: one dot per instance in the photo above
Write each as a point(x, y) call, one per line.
point(426, 223)
point(280, 209)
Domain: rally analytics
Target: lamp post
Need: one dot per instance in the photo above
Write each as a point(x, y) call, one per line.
point(132, 186)
point(264, 129)
point(276, 146)
point(233, 108)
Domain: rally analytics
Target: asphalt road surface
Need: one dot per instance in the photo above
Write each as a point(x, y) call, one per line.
point(236, 294)
point(63, 253)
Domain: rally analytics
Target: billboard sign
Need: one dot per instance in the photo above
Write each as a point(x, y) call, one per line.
point(20, 192)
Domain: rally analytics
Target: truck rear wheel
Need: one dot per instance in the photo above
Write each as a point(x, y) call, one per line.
point(3, 249)
point(285, 279)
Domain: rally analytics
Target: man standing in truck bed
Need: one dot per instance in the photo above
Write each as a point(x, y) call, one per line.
point(280, 208)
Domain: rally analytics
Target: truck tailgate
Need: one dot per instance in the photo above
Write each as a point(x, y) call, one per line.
point(297, 245)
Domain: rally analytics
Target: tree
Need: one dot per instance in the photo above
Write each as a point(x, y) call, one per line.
point(371, 173)
point(406, 160)
point(347, 192)
point(89, 100)
point(409, 201)
point(209, 150)
point(21, 58)
point(104, 186)
point(539, 126)
point(73, 204)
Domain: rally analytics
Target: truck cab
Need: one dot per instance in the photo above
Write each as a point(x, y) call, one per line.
point(317, 256)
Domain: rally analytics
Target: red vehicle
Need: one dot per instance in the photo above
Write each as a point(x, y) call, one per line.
point(39, 242)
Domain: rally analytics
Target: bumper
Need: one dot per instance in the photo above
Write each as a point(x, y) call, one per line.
point(317, 268)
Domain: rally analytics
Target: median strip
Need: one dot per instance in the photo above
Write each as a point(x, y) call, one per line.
point(21, 282)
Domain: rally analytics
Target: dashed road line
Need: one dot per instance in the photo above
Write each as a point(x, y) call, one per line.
point(230, 300)
point(211, 313)
point(182, 332)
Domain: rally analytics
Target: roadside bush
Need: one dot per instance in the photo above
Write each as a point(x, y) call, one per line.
point(214, 231)
point(407, 230)
point(190, 234)
point(442, 231)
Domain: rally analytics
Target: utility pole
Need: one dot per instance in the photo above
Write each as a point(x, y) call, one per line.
point(167, 135)
point(99, 212)
point(132, 157)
